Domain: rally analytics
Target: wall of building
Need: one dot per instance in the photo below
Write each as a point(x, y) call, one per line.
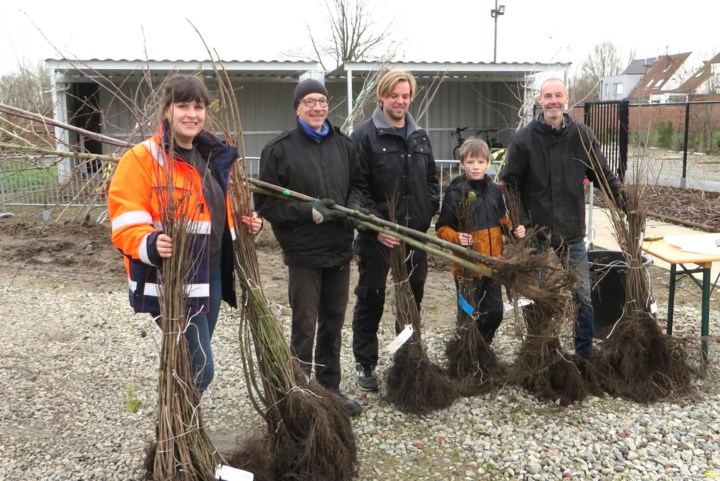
point(266, 109)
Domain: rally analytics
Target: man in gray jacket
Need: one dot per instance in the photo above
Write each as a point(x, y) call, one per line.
point(398, 166)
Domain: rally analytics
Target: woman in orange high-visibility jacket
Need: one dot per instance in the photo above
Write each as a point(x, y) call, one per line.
point(195, 166)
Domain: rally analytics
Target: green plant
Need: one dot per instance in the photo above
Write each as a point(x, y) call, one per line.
point(17, 176)
point(665, 134)
point(131, 401)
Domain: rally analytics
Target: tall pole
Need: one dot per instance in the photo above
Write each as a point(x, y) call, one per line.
point(495, 13)
point(495, 40)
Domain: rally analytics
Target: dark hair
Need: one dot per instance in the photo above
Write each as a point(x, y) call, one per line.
point(183, 88)
point(474, 147)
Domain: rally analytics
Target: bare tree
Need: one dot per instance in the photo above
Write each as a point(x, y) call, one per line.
point(353, 33)
point(27, 89)
point(602, 61)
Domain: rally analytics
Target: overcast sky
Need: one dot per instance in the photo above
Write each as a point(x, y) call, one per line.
point(448, 30)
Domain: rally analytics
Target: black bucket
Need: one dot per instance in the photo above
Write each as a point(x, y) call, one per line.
point(608, 274)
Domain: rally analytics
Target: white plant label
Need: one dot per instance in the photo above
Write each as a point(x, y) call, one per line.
point(400, 339)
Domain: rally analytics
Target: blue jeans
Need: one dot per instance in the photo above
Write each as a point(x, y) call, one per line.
point(574, 259)
point(199, 333)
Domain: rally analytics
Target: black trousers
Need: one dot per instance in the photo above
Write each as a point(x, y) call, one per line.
point(373, 268)
point(318, 299)
point(487, 305)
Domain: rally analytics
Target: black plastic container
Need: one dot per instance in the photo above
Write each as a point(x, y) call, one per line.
point(608, 274)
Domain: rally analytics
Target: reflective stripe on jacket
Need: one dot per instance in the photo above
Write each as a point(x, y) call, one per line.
point(143, 183)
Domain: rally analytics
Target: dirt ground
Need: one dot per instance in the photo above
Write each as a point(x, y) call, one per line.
point(74, 255)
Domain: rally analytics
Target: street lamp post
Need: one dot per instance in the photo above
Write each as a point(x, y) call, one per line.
point(495, 13)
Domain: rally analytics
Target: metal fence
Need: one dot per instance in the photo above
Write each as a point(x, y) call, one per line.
point(672, 144)
point(675, 144)
point(50, 184)
point(32, 183)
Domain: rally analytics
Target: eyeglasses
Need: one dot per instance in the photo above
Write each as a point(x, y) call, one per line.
point(312, 102)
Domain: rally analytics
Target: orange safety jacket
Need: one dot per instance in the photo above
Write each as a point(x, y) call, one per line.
point(139, 192)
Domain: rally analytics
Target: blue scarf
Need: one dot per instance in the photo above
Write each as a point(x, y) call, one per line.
point(314, 134)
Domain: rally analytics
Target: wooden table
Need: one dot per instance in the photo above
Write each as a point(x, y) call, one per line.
point(675, 256)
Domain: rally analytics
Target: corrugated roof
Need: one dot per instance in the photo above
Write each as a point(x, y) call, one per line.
point(292, 69)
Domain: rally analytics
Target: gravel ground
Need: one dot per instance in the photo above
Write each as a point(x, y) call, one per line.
point(71, 357)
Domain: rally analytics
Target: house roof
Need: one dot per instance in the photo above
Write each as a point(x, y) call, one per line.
point(639, 66)
point(658, 75)
point(702, 75)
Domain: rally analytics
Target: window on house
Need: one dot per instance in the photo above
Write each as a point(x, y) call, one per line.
point(618, 88)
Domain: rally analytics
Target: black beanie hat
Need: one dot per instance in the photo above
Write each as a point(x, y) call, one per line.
point(309, 86)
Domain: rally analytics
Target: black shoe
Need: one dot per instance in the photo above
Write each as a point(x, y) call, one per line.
point(352, 407)
point(366, 377)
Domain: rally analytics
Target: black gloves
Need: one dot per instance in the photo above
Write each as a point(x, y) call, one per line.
point(322, 212)
point(352, 223)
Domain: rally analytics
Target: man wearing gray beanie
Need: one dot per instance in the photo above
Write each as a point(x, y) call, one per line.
point(309, 86)
point(318, 160)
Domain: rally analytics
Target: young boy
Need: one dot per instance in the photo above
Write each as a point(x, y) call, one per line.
point(487, 215)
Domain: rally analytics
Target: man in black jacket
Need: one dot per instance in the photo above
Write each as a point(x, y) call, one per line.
point(547, 161)
point(318, 160)
point(398, 166)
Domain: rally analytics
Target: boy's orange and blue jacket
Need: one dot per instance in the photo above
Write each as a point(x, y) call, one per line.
point(140, 187)
point(489, 215)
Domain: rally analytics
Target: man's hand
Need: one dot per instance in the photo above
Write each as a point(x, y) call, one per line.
point(388, 240)
point(322, 212)
point(253, 222)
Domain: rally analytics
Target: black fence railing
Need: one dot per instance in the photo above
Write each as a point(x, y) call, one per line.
point(675, 144)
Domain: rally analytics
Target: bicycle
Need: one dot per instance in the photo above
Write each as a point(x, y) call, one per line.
point(497, 150)
point(489, 135)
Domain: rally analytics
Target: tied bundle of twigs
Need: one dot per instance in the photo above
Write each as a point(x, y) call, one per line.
point(521, 270)
point(637, 360)
point(414, 384)
point(183, 451)
point(541, 365)
point(472, 364)
point(309, 435)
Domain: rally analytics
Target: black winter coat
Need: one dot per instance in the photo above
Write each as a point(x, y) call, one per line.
point(326, 170)
point(547, 167)
point(400, 168)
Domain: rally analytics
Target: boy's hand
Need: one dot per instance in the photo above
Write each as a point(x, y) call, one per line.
point(466, 240)
point(519, 231)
